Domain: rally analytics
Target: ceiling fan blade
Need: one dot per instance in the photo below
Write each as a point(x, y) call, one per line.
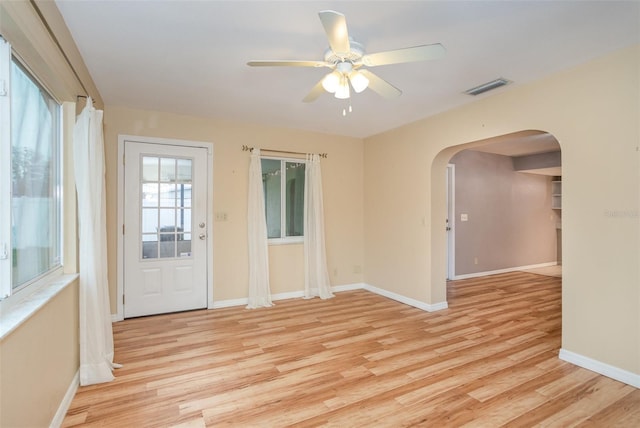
point(381, 86)
point(315, 92)
point(398, 56)
point(286, 63)
point(335, 25)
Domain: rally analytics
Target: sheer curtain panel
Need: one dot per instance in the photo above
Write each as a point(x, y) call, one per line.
point(316, 281)
point(259, 292)
point(96, 335)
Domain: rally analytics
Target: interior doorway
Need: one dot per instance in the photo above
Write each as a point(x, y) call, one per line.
point(503, 205)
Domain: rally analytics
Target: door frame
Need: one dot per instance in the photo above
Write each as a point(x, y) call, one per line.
point(451, 216)
point(122, 139)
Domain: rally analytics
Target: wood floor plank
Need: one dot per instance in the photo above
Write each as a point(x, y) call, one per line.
point(490, 359)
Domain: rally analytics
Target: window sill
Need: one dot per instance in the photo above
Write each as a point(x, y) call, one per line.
point(14, 314)
point(286, 241)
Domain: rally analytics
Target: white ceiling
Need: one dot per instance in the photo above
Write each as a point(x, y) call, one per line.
point(520, 144)
point(189, 57)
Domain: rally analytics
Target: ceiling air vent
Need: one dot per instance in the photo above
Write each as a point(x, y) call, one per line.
point(487, 86)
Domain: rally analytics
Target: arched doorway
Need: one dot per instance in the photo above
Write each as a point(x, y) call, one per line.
point(505, 216)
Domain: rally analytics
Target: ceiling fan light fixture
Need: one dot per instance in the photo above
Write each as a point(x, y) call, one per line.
point(343, 89)
point(359, 81)
point(331, 82)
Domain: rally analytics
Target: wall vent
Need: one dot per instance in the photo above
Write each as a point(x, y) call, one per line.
point(487, 86)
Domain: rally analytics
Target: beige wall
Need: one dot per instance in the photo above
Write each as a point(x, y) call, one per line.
point(593, 112)
point(38, 362)
point(510, 222)
point(342, 175)
point(394, 228)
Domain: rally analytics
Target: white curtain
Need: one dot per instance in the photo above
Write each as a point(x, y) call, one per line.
point(259, 292)
point(316, 281)
point(96, 336)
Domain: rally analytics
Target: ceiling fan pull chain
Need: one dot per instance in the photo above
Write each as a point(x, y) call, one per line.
point(350, 109)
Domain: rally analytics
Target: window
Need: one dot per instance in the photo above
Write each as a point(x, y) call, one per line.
point(30, 190)
point(283, 198)
point(166, 207)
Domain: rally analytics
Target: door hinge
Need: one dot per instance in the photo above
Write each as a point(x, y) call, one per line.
point(3, 88)
point(123, 229)
point(123, 157)
point(123, 299)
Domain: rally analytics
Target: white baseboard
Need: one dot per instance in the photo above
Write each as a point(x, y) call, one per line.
point(506, 270)
point(288, 295)
point(336, 289)
point(218, 304)
point(349, 287)
point(245, 301)
point(58, 418)
point(604, 369)
point(407, 300)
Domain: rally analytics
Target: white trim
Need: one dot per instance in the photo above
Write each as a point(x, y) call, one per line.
point(230, 302)
point(289, 240)
point(18, 310)
point(451, 216)
point(211, 304)
point(407, 300)
point(5, 171)
point(288, 295)
point(604, 369)
point(58, 418)
point(348, 287)
point(338, 289)
point(506, 270)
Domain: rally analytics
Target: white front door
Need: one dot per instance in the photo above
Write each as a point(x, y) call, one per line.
point(165, 228)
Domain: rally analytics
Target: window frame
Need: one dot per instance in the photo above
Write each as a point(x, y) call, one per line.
point(9, 296)
point(284, 240)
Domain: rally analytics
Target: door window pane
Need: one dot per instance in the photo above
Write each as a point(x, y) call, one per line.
point(149, 220)
point(167, 195)
point(167, 169)
point(166, 207)
point(184, 170)
point(150, 194)
point(150, 168)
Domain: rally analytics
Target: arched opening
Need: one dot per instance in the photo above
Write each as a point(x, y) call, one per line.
point(497, 203)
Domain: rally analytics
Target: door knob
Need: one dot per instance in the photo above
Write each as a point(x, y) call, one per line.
point(202, 236)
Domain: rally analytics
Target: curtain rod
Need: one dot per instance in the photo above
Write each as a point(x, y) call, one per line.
point(246, 148)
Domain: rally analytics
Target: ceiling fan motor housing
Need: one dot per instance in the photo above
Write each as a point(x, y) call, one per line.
point(356, 53)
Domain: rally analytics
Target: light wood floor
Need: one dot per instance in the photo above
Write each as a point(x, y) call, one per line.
point(359, 360)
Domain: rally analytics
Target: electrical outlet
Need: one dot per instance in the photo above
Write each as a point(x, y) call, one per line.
point(475, 260)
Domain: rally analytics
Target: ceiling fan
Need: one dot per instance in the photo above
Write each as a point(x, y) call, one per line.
point(346, 58)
